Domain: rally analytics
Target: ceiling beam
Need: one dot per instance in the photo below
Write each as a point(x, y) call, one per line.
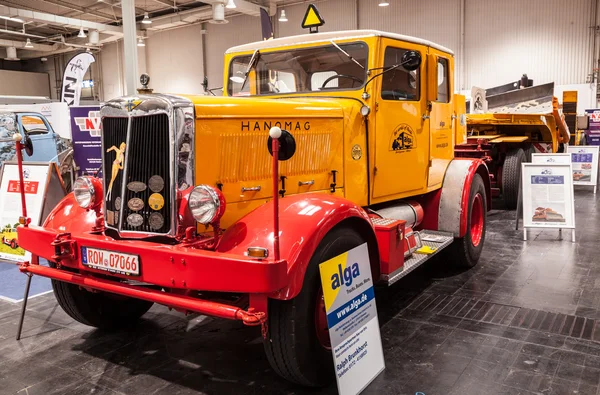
point(52, 19)
point(242, 6)
point(168, 3)
point(83, 10)
point(103, 4)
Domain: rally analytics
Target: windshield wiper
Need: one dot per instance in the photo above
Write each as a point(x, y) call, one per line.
point(347, 54)
point(251, 65)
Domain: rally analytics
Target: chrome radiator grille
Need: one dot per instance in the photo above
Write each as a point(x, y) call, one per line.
point(143, 202)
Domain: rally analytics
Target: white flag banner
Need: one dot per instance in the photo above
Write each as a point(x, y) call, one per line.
point(73, 77)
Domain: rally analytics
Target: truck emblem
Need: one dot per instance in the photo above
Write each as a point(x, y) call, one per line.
point(135, 220)
point(156, 221)
point(403, 138)
point(136, 186)
point(131, 104)
point(156, 201)
point(116, 166)
point(135, 204)
point(156, 183)
point(356, 152)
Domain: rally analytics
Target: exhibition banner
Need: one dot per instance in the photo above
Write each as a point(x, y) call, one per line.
point(585, 164)
point(87, 145)
point(548, 195)
point(352, 319)
point(73, 77)
point(35, 178)
point(551, 158)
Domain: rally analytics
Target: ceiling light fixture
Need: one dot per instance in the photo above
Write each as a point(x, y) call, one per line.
point(141, 42)
point(230, 4)
point(384, 3)
point(28, 44)
point(282, 17)
point(81, 33)
point(8, 18)
point(146, 20)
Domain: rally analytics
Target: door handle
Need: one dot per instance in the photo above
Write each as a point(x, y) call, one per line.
point(251, 189)
point(301, 183)
point(425, 117)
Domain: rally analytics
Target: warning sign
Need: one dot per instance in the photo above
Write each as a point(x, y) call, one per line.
point(312, 19)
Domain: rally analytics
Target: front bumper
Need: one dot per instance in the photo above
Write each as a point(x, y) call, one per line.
point(163, 265)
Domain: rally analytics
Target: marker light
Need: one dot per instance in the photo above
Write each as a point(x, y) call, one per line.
point(84, 191)
point(207, 204)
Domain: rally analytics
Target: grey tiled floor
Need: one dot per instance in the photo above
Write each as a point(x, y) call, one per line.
point(526, 320)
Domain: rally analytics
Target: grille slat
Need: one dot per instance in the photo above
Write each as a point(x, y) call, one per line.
point(147, 155)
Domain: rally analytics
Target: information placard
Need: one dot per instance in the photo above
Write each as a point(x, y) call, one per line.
point(585, 164)
point(548, 196)
point(86, 126)
point(551, 158)
point(35, 178)
point(352, 318)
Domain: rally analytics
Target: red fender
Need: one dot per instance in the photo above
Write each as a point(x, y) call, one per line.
point(447, 208)
point(304, 220)
point(68, 216)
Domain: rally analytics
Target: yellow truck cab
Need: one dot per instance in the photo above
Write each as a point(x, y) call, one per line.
point(194, 212)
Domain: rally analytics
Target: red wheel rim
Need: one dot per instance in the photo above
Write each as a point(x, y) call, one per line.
point(477, 220)
point(321, 326)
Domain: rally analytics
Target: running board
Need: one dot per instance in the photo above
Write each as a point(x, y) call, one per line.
point(433, 239)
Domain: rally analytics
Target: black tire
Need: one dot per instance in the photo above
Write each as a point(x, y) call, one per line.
point(529, 151)
point(464, 252)
point(511, 177)
point(99, 309)
point(292, 345)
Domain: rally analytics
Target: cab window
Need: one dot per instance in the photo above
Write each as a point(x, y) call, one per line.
point(443, 81)
point(33, 125)
point(399, 84)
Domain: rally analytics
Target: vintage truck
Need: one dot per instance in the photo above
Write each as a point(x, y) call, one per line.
point(517, 121)
point(194, 213)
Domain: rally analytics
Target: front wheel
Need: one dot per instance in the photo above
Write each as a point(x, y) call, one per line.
point(99, 309)
point(467, 249)
point(298, 345)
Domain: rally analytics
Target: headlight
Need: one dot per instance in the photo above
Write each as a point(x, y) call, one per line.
point(207, 204)
point(84, 192)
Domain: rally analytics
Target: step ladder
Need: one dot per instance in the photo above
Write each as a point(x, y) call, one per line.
point(437, 241)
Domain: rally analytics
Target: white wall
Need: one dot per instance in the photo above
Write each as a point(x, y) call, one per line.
point(21, 83)
point(174, 60)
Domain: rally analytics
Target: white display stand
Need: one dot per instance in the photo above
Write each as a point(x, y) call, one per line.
point(548, 196)
point(352, 319)
point(43, 191)
point(585, 165)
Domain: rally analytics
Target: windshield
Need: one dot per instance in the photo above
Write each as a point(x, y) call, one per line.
point(323, 68)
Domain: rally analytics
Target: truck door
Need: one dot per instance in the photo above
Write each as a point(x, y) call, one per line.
point(401, 133)
point(441, 116)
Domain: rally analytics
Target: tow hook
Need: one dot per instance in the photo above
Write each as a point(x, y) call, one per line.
point(254, 318)
point(64, 247)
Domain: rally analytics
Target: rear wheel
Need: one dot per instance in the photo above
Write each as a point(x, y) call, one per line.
point(511, 177)
point(467, 249)
point(298, 345)
point(99, 309)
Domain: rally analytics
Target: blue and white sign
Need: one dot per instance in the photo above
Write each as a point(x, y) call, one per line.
point(585, 164)
point(352, 319)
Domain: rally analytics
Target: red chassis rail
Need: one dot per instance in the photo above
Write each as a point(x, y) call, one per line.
point(166, 266)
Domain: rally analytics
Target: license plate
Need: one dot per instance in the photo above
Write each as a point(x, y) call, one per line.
point(110, 261)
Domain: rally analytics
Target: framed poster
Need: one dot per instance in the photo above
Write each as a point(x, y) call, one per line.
point(548, 196)
point(349, 299)
point(43, 190)
point(86, 129)
point(551, 158)
point(585, 164)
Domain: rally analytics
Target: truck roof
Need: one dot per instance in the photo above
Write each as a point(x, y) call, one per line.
point(340, 35)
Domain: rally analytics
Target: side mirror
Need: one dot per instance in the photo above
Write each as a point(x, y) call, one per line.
point(287, 145)
point(28, 145)
point(411, 60)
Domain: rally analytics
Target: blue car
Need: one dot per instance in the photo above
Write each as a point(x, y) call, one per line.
point(48, 146)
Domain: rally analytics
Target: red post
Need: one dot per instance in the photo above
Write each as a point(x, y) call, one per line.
point(21, 183)
point(275, 147)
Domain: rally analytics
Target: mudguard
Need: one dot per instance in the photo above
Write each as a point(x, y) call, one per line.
point(447, 209)
point(303, 220)
point(68, 216)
